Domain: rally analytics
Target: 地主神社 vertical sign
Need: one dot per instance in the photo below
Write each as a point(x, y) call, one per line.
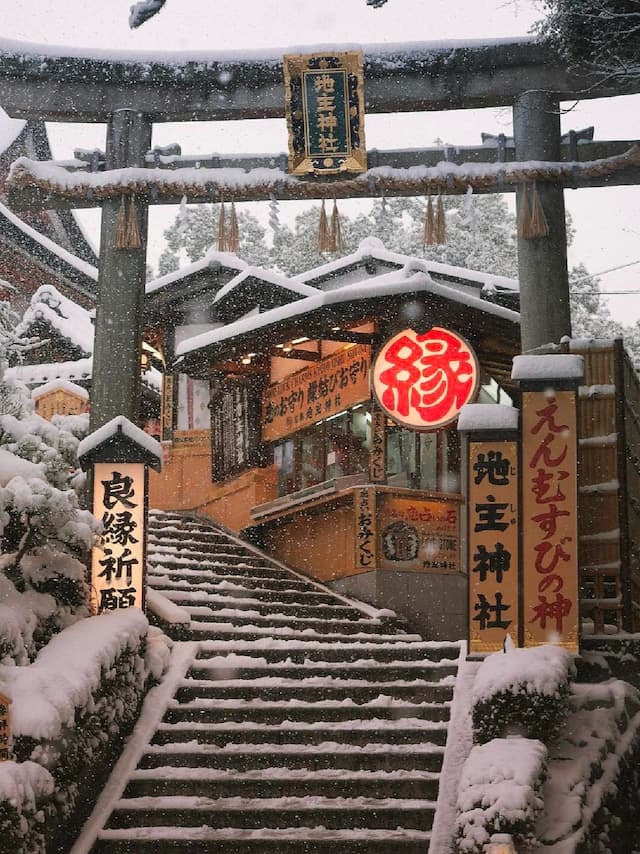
point(324, 103)
point(422, 381)
point(493, 544)
point(549, 516)
point(117, 569)
point(5, 729)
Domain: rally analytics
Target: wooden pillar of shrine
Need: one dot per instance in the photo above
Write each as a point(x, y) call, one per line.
point(542, 261)
point(121, 280)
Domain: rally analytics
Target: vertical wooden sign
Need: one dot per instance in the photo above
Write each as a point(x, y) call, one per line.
point(550, 518)
point(166, 408)
point(378, 456)
point(493, 544)
point(117, 569)
point(365, 528)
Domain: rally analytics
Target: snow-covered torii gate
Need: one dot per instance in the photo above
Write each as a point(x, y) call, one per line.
point(130, 95)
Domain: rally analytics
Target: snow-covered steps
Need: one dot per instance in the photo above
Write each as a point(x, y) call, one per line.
point(305, 723)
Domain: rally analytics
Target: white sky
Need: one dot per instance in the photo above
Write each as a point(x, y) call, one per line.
point(607, 221)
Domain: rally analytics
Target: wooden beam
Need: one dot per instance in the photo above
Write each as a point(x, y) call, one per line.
point(32, 186)
point(37, 85)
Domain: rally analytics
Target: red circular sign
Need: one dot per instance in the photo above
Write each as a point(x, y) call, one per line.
point(422, 381)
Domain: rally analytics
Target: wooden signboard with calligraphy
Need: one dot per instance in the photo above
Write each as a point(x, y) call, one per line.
point(418, 534)
point(117, 567)
point(365, 520)
point(235, 430)
point(5, 728)
point(550, 518)
point(324, 104)
point(313, 394)
point(378, 456)
point(493, 545)
point(166, 408)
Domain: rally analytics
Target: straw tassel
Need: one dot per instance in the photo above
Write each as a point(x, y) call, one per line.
point(429, 231)
point(121, 226)
point(222, 236)
point(233, 238)
point(324, 237)
point(134, 241)
point(336, 230)
point(441, 222)
point(524, 213)
point(538, 225)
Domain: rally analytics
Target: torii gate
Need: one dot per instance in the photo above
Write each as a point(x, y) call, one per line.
point(131, 96)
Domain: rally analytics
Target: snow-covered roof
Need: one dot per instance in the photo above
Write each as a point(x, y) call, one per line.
point(77, 264)
point(550, 366)
point(60, 385)
point(10, 129)
point(62, 314)
point(487, 416)
point(268, 276)
point(78, 371)
point(396, 282)
point(373, 247)
point(120, 426)
point(212, 259)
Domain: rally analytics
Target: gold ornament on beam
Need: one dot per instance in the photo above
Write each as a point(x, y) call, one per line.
point(133, 239)
point(429, 230)
point(222, 239)
point(324, 235)
point(441, 222)
point(121, 225)
point(336, 230)
point(538, 225)
point(233, 237)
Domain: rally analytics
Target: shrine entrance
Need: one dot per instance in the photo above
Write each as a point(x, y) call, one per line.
point(286, 473)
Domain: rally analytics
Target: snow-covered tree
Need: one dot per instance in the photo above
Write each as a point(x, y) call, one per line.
point(44, 534)
point(195, 230)
point(603, 33)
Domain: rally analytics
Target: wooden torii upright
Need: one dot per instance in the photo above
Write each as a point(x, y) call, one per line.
point(129, 96)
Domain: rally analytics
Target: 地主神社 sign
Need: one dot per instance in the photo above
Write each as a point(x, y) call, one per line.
point(117, 569)
point(422, 381)
point(493, 544)
point(549, 515)
point(313, 394)
point(324, 104)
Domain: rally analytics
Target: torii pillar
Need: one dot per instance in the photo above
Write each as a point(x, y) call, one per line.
point(115, 387)
point(542, 262)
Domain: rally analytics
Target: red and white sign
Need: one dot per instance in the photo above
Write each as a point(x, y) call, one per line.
point(422, 381)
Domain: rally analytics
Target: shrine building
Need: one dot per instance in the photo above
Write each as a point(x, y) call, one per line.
point(272, 427)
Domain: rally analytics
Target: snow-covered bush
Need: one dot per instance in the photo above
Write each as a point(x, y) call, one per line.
point(523, 692)
point(45, 536)
point(25, 789)
point(500, 792)
point(72, 705)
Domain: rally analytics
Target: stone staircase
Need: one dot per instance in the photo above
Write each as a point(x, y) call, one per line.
point(304, 724)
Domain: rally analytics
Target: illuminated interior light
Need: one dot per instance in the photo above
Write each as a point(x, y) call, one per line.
point(300, 340)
